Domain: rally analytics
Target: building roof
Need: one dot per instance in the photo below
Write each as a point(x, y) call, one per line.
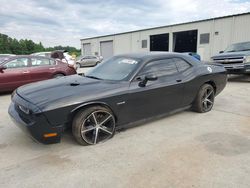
point(209, 19)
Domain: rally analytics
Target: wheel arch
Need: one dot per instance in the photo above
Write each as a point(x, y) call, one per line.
point(212, 83)
point(63, 73)
point(88, 105)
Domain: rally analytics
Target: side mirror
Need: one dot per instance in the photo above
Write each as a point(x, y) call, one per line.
point(146, 79)
point(221, 52)
point(2, 67)
point(151, 77)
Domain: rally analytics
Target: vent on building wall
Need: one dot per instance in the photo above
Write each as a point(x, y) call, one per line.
point(144, 43)
point(204, 38)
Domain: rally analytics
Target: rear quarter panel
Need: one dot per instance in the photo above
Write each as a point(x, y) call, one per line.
point(216, 75)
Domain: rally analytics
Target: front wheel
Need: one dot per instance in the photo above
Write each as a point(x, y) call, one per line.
point(204, 101)
point(93, 125)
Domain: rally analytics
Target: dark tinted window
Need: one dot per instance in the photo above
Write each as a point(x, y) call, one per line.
point(181, 64)
point(18, 63)
point(160, 68)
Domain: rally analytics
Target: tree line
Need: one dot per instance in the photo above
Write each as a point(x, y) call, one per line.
point(9, 45)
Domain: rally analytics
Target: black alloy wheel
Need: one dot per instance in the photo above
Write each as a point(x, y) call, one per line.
point(205, 99)
point(94, 125)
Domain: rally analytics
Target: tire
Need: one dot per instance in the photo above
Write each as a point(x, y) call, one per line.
point(87, 128)
point(97, 63)
point(205, 99)
point(78, 65)
point(58, 75)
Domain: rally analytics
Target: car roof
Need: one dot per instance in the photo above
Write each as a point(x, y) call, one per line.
point(26, 56)
point(241, 43)
point(149, 56)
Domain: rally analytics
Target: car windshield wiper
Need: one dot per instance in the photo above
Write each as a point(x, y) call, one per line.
point(93, 77)
point(231, 51)
point(246, 50)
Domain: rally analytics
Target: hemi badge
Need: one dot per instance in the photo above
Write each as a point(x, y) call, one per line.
point(120, 103)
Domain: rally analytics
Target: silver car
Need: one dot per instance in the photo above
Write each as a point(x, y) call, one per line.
point(88, 61)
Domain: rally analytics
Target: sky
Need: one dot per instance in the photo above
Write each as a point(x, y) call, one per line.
point(65, 22)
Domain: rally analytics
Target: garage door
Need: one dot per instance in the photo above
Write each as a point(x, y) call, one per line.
point(106, 49)
point(185, 41)
point(159, 42)
point(86, 49)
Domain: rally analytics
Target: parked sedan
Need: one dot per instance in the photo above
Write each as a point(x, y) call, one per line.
point(19, 70)
point(88, 61)
point(122, 90)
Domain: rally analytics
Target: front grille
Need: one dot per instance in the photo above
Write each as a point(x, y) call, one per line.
point(230, 60)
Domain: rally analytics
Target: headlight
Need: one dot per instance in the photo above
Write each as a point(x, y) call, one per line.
point(13, 93)
point(24, 109)
point(247, 59)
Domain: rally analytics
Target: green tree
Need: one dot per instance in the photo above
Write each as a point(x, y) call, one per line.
point(25, 46)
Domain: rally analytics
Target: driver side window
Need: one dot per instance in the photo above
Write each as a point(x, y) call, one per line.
point(17, 63)
point(160, 68)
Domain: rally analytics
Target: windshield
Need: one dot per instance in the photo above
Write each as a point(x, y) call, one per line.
point(115, 68)
point(238, 47)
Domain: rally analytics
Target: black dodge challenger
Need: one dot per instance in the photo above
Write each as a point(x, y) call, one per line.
point(122, 90)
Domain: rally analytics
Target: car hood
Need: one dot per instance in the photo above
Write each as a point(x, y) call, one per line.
point(231, 54)
point(68, 90)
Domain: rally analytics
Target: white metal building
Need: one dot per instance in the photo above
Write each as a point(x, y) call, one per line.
point(206, 37)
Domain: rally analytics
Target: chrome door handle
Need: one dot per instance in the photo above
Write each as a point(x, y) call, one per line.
point(52, 68)
point(26, 72)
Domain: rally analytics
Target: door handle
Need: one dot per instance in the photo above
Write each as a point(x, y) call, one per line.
point(52, 68)
point(26, 72)
point(179, 80)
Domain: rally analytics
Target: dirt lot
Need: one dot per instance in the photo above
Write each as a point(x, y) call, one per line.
point(184, 150)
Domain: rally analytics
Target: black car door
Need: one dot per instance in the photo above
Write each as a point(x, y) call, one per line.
point(188, 80)
point(157, 97)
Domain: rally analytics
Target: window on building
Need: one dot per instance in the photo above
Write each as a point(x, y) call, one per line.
point(204, 38)
point(144, 43)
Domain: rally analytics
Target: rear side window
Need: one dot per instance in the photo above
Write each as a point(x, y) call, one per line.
point(181, 64)
point(41, 62)
point(18, 63)
point(160, 68)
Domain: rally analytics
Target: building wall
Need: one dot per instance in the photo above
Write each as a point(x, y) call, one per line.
point(223, 31)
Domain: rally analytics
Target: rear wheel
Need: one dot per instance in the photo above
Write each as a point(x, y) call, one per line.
point(58, 75)
point(204, 101)
point(93, 125)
